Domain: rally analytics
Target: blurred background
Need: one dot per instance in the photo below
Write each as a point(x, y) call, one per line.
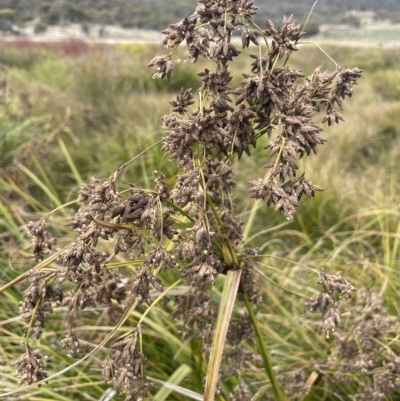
point(77, 101)
point(363, 21)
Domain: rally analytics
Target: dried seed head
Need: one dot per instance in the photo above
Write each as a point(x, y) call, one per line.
point(357, 354)
point(335, 290)
point(200, 273)
point(241, 393)
point(71, 343)
point(30, 367)
point(183, 100)
point(294, 383)
point(108, 370)
point(43, 242)
point(162, 66)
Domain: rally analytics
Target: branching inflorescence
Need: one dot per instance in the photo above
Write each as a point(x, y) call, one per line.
point(203, 136)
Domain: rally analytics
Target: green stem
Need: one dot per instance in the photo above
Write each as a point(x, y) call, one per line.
point(140, 154)
point(262, 34)
point(323, 51)
point(178, 209)
point(279, 395)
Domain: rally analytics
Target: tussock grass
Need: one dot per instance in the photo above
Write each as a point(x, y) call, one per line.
point(92, 112)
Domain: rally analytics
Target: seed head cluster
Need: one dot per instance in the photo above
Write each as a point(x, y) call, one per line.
point(364, 353)
point(30, 367)
point(188, 223)
point(335, 290)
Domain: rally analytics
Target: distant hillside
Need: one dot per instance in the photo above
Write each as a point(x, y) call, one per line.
point(129, 13)
point(331, 11)
point(158, 14)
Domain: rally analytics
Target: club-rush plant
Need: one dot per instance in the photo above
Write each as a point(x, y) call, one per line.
point(188, 224)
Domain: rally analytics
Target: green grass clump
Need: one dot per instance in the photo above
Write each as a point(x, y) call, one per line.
point(14, 57)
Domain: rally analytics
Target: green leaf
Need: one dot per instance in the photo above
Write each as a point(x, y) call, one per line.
point(175, 378)
point(229, 294)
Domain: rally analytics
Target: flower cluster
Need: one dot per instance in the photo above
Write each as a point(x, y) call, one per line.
point(30, 367)
point(273, 99)
point(363, 353)
point(42, 241)
point(203, 137)
point(335, 290)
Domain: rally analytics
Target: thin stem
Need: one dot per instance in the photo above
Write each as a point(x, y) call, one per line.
point(178, 209)
point(25, 275)
point(262, 34)
point(304, 27)
point(201, 103)
point(157, 300)
point(323, 51)
point(277, 158)
point(139, 329)
point(266, 231)
point(278, 393)
point(140, 154)
point(60, 207)
point(31, 321)
point(309, 15)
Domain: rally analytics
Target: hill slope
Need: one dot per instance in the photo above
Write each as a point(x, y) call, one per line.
point(158, 14)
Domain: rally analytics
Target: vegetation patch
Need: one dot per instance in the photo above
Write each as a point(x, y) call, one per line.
point(166, 272)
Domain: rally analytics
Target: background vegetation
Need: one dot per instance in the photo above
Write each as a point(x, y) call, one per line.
point(71, 111)
point(158, 14)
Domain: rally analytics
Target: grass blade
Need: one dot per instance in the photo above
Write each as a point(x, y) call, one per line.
point(224, 315)
point(53, 197)
point(175, 378)
point(10, 224)
point(70, 162)
point(178, 389)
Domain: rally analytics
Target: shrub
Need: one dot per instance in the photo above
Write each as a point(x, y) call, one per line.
point(50, 13)
point(76, 14)
point(312, 29)
point(19, 57)
point(351, 20)
point(40, 27)
point(8, 14)
point(103, 17)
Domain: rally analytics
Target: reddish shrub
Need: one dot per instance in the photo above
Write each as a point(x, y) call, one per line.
point(67, 47)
